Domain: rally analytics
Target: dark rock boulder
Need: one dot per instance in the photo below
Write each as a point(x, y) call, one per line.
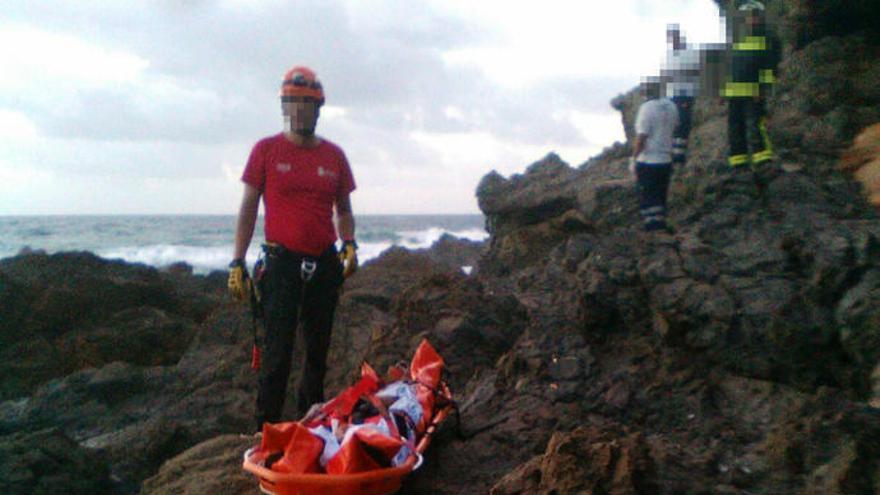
point(81, 288)
point(467, 324)
point(47, 461)
point(586, 460)
point(71, 311)
point(547, 190)
point(825, 97)
point(14, 299)
point(135, 417)
point(455, 253)
point(528, 215)
point(825, 446)
point(628, 105)
point(211, 467)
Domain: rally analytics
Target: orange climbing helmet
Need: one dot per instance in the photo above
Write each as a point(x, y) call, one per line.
point(301, 81)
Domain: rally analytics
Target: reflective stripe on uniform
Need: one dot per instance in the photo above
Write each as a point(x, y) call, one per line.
point(766, 76)
point(762, 156)
point(751, 43)
point(738, 160)
point(740, 89)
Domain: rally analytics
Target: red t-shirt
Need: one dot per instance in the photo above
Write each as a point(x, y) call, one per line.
point(299, 186)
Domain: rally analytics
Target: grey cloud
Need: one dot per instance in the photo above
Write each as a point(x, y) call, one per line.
point(136, 160)
point(379, 69)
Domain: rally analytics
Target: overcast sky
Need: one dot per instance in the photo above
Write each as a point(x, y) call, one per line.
point(111, 107)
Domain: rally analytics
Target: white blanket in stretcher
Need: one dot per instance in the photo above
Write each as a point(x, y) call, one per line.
point(405, 402)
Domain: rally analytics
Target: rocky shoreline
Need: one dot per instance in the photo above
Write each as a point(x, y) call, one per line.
point(740, 355)
point(112, 368)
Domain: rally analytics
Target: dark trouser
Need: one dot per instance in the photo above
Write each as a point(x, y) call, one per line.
point(746, 128)
point(685, 105)
point(286, 300)
point(653, 185)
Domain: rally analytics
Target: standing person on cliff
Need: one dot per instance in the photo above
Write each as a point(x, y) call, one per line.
point(681, 75)
point(753, 59)
point(651, 161)
point(302, 179)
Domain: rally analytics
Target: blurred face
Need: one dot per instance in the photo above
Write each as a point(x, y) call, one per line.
point(300, 115)
point(754, 18)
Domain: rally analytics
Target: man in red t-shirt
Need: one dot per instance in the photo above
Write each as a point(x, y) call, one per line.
point(302, 178)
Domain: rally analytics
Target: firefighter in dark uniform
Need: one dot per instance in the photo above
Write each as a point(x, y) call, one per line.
point(754, 57)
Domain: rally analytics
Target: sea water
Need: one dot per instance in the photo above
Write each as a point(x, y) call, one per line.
point(206, 242)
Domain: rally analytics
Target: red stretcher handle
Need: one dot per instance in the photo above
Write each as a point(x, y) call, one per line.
point(312, 480)
point(438, 418)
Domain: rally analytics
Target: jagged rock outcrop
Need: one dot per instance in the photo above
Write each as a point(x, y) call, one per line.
point(825, 97)
point(743, 299)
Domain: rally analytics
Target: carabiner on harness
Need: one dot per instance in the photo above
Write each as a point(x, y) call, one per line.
point(307, 269)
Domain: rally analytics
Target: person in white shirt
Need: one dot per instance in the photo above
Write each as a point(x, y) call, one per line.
point(651, 161)
point(681, 75)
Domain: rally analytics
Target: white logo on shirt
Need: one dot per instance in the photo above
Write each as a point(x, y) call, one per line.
point(283, 167)
point(323, 172)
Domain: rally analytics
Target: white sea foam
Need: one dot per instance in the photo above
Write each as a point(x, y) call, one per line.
point(206, 259)
point(371, 250)
point(418, 239)
point(202, 259)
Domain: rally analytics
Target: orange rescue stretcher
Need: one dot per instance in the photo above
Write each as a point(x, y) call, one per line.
point(425, 369)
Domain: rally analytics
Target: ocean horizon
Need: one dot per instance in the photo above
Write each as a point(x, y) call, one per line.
point(205, 241)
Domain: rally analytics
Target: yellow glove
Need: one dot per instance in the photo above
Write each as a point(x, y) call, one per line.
point(348, 257)
point(239, 283)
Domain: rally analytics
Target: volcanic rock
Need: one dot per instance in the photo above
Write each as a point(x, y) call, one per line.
point(46, 461)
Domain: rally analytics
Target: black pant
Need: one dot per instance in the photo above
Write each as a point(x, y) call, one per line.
point(653, 186)
point(745, 130)
point(287, 299)
point(685, 105)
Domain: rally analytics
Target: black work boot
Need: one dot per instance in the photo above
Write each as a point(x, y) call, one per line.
point(741, 177)
point(766, 172)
